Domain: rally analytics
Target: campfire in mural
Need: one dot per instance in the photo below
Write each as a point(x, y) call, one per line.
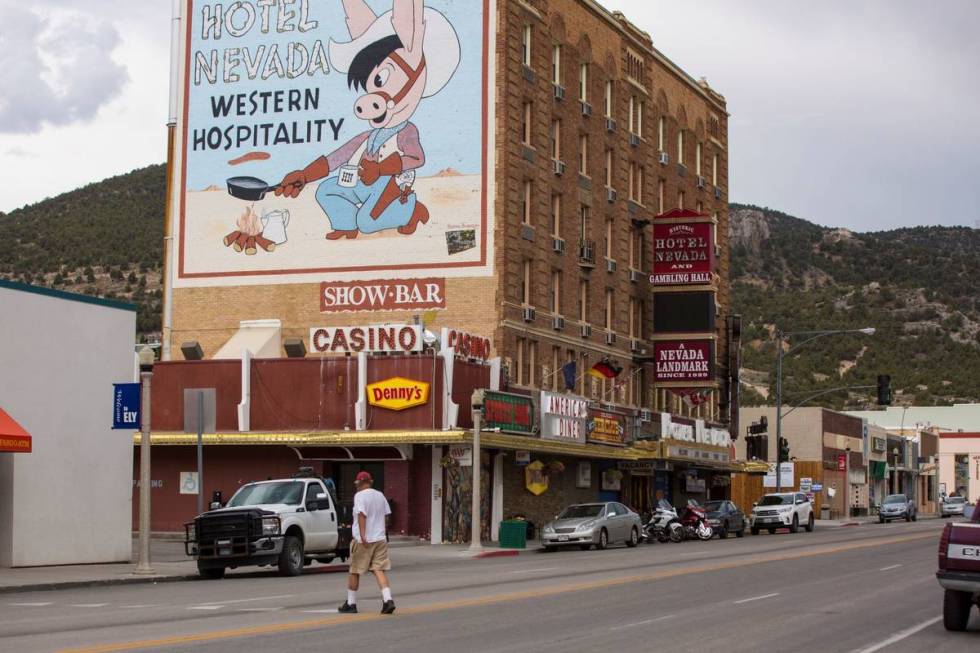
point(248, 237)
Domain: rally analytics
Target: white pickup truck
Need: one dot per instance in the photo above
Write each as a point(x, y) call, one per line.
point(285, 522)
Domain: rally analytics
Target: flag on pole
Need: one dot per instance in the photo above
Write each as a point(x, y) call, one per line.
point(568, 371)
point(692, 397)
point(605, 369)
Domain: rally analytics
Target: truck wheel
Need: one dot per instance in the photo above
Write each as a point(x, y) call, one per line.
point(291, 558)
point(211, 573)
point(956, 610)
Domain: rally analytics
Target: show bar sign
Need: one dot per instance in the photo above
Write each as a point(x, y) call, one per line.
point(508, 412)
point(371, 339)
point(466, 345)
point(563, 417)
point(605, 427)
point(382, 295)
point(683, 360)
point(683, 254)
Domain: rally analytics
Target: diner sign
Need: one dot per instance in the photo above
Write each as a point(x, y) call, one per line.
point(508, 412)
point(398, 393)
point(370, 339)
point(682, 254)
point(563, 417)
point(605, 427)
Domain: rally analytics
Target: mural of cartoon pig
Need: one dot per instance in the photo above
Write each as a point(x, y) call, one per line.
point(396, 60)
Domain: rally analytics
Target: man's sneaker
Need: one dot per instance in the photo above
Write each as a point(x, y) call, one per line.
point(348, 608)
point(387, 607)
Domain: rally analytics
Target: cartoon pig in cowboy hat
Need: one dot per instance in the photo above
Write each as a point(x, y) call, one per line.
point(396, 59)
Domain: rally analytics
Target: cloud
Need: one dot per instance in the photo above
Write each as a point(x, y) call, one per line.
point(58, 68)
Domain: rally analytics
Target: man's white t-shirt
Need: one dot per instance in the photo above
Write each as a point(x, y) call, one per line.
point(375, 507)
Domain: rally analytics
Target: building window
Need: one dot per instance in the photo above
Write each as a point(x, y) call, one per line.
point(714, 229)
point(608, 169)
point(697, 158)
point(583, 83)
point(632, 318)
point(526, 283)
point(641, 311)
point(526, 203)
point(556, 65)
point(636, 248)
point(632, 184)
point(556, 140)
point(521, 359)
point(583, 155)
point(680, 199)
point(526, 124)
point(609, 309)
point(714, 170)
point(634, 66)
point(526, 45)
point(583, 301)
point(584, 221)
point(556, 215)
point(556, 292)
point(640, 179)
point(609, 99)
point(632, 114)
point(714, 127)
point(699, 207)
point(660, 196)
point(661, 133)
point(680, 146)
point(609, 238)
point(639, 118)
point(531, 362)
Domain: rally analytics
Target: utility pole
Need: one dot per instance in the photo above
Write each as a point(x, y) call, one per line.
point(146, 358)
point(779, 408)
point(847, 482)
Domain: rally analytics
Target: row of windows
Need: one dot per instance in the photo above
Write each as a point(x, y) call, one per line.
point(527, 121)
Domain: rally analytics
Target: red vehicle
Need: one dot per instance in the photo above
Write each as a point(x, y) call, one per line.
point(959, 571)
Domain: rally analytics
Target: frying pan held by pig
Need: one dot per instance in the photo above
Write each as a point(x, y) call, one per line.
point(250, 189)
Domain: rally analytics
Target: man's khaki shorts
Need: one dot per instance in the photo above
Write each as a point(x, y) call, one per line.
point(369, 557)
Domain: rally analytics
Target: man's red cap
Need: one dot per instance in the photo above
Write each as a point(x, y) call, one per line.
point(362, 477)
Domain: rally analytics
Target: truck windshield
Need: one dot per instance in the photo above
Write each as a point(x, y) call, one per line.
point(777, 500)
point(255, 494)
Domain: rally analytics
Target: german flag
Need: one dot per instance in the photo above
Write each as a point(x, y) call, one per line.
point(605, 369)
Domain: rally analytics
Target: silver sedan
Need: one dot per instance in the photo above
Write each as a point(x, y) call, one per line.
point(592, 524)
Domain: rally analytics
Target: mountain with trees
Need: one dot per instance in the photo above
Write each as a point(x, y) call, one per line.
point(917, 287)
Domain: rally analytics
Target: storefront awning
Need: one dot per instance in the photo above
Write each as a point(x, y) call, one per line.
point(309, 439)
point(13, 437)
point(263, 338)
point(518, 442)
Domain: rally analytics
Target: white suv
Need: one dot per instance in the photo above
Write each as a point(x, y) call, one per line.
point(787, 509)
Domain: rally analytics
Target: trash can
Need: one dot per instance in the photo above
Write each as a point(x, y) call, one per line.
point(513, 534)
point(825, 511)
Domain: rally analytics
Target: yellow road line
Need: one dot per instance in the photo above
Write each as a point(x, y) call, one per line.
point(456, 604)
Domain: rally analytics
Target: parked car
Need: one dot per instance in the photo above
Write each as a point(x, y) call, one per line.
point(284, 522)
point(588, 524)
point(959, 571)
point(725, 517)
point(953, 505)
point(786, 509)
point(897, 506)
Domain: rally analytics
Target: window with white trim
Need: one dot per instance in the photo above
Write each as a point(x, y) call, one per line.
point(526, 123)
point(526, 45)
point(526, 283)
point(556, 292)
point(697, 158)
point(714, 170)
point(583, 154)
point(526, 202)
point(583, 82)
point(608, 169)
point(609, 99)
point(556, 215)
point(556, 140)
point(583, 301)
point(610, 315)
point(556, 65)
point(661, 133)
point(680, 146)
point(609, 238)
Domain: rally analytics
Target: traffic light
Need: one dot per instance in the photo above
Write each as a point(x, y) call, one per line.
point(783, 450)
point(884, 390)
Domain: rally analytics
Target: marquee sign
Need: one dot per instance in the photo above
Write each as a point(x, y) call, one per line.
point(605, 427)
point(508, 412)
point(382, 295)
point(683, 254)
point(683, 360)
point(398, 393)
point(395, 338)
point(466, 345)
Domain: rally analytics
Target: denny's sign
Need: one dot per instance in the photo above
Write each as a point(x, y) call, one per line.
point(398, 393)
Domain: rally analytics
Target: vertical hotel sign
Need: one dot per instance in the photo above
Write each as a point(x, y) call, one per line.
point(563, 417)
point(683, 254)
point(333, 141)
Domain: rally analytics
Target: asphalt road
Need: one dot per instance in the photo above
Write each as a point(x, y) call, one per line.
point(848, 589)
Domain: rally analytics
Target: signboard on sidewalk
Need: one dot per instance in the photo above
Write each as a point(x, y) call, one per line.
point(126, 406)
point(787, 480)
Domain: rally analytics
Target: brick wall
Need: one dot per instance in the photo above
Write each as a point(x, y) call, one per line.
point(561, 490)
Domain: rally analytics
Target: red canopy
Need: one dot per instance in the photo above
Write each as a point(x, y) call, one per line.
point(13, 437)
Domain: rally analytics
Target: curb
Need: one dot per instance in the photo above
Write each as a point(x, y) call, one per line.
point(508, 553)
point(99, 582)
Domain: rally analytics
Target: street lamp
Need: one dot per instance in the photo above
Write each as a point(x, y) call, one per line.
point(146, 359)
point(475, 534)
point(782, 337)
point(847, 482)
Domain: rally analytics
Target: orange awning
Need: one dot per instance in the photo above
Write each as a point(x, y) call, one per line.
point(13, 437)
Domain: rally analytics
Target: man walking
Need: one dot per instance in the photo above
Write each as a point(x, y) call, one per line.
point(369, 546)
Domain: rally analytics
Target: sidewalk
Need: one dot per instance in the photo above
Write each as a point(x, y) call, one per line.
point(861, 521)
point(171, 564)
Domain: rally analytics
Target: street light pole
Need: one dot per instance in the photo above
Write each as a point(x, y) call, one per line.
point(782, 337)
point(475, 531)
point(847, 482)
point(143, 566)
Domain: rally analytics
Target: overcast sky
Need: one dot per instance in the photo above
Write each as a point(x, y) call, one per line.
point(856, 113)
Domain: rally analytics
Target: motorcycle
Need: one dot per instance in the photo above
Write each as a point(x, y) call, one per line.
point(694, 522)
point(664, 525)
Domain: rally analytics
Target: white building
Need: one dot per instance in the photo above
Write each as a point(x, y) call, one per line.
point(69, 500)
